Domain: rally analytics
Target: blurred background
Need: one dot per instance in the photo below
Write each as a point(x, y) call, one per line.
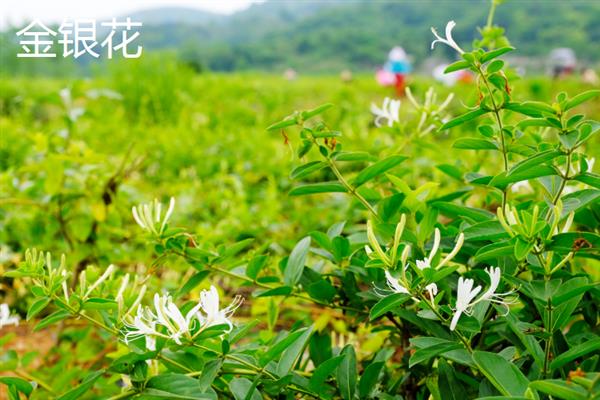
point(311, 37)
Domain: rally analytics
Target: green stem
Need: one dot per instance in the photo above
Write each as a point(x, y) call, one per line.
point(462, 338)
point(500, 126)
point(490, 18)
point(548, 341)
point(87, 317)
point(268, 287)
point(351, 189)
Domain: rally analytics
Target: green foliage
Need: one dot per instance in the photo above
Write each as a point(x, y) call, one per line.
point(410, 267)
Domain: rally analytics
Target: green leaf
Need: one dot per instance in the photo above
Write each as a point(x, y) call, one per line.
point(278, 348)
point(293, 352)
point(560, 389)
point(457, 66)
point(21, 385)
point(495, 66)
point(255, 266)
point(490, 55)
point(426, 353)
point(530, 342)
point(486, 230)
point(530, 108)
point(51, 319)
point(99, 303)
point(307, 169)
point(474, 144)
point(321, 290)
point(316, 111)
point(501, 181)
point(576, 352)
point(458, 211)
point(495, 250)
point(191, 283)
point(352, 156)
point(346, 373)
point(505, 376)
point(533, 161)
point(289, 121)
point(377, 169)
point(450, 387)
point(387, 304)
point(296, 261)
point(369, 379)
point(463, 118)
point(243, 389)
point(83, 387)
point(581, 98)
point(37, 306)
point(322, 372)
point(321, 187)
point(209, 373)
point(589, 178)
point(565, 242)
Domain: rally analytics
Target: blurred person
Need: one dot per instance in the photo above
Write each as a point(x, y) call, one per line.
point(395, 70)
point(346, 75)
point(290, 74)
point(562, 62)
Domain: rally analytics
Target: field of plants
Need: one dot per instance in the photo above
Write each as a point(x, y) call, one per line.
point(168, 235)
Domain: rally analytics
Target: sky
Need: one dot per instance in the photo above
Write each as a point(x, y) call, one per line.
point(21, 12)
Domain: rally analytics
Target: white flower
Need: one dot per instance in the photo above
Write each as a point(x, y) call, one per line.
point(394, 285)
point(432, 289)
point(149, 215)
point(464, 295)
point(6, 318)
point(426, 262)
point(144, 324)
point(209, 302)
point(389, 112)
point(448, 40)
point(99, 281)
point(169, 316)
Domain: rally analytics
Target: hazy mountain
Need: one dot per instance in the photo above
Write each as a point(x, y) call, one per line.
point(327, 36)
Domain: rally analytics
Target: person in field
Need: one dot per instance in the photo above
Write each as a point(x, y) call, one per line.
point(395, 70)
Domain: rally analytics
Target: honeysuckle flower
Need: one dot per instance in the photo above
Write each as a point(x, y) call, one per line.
point(375, 245)
point(144, 324)
point(64, 285)
point(429, 109)
point(99, 281)
point(432, 289)
point(149, 215)
point(168, 315)
point(426, 262)
point(465, 297)
point(214, 315)
point(448, 40)
point(6, 318)
point(394, 284)
point(388, 112)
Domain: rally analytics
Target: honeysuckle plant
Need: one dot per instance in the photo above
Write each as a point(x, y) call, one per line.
point(441, 283)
